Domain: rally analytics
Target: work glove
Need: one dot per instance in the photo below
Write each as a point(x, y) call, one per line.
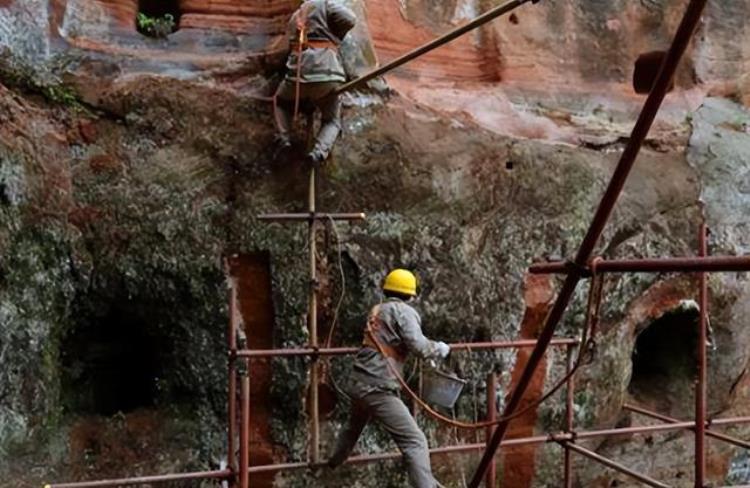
point(443, 350)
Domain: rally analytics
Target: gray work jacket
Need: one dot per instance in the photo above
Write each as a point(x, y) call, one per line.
point(325, 20)
point(398, 328)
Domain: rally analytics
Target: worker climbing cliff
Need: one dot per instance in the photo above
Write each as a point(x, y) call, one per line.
point(314, 70)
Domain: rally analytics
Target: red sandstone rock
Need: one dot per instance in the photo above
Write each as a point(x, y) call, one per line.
point(254, 17)
point(244, 8)
point(104, 163)
point(519, 461)
point(235, 23)
point(88, 131)
point(469, 58)
point(123, 11)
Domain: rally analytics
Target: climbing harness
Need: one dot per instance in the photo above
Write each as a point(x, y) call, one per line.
point(301, 40)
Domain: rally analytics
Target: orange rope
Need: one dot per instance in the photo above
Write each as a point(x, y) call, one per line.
point(302, 28)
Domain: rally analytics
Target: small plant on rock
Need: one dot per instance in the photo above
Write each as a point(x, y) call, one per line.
point(157, 27)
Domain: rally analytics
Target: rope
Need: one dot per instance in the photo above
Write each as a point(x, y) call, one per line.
point(592, 319)
point(329, 338)
point(302, 28)
point(343, 282)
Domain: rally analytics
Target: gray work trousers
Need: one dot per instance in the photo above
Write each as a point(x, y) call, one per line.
point(321, 97)
point(389, 411)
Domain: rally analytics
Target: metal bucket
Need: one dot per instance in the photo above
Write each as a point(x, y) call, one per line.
point(440, 388)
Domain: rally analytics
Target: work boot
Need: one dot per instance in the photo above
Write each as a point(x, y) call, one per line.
point(316, 157)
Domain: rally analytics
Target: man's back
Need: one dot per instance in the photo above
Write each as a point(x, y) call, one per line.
point(397, 328)
point(322, 20)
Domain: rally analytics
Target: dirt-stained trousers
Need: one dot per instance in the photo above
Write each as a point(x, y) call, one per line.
point(389, 411)
point(320, 94)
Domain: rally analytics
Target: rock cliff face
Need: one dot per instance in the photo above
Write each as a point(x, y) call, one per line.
point(129, 167)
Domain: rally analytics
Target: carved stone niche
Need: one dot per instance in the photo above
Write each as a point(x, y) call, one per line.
point(110, 20)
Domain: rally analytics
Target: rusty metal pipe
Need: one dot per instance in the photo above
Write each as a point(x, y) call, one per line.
point(569, 419)
point(638, 136)
point(142, 480)
point(665, 418)
point(472, 346)
point(652, 265)
point(612, 464)
point(728, 421)
point(432, 45)
point(312, 321)
point(700, 385)
point(490, 480)
point(341, 351)
point(643, 429)
point(245, 432)
point(657, 428)
point(314, 216)
point(371, 458)
point(232, 385)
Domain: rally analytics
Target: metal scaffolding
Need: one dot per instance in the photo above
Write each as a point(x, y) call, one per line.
point(239, 469)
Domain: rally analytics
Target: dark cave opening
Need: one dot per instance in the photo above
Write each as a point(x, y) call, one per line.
point(158, 18)
point(664, 361)
point(646, 70)
point(111, 363)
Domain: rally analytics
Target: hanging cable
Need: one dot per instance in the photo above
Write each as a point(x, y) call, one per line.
point(328, 370)
point(343, 282)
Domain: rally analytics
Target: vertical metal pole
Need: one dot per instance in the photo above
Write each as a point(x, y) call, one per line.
point(313, 326)
point(491, 416)
point(232, 389)
point(245, 429)
point(570, 389)
point(700, 387)
point(420, 388)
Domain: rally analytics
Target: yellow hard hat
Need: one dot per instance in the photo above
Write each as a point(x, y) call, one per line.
point(401, 281)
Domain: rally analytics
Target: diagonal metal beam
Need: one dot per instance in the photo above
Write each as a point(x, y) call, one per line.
point(612, 464)
point(432, 45)
point(671, 420)
point(638, 136)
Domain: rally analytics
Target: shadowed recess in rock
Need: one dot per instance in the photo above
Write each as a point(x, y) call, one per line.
point(111, 364)
point(664, 361)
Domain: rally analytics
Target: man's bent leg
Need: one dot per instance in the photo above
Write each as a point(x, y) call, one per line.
point(282, 110)
point(330, 119)
point(390, 411)
point(348, 437)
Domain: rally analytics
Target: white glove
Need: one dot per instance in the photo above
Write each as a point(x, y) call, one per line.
point(443, 350)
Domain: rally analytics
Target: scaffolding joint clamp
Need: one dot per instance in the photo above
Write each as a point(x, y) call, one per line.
point(579, 270)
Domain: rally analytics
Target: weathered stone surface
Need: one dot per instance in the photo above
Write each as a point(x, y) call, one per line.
point(126, 187)
point(718, 150)
point(23, 28)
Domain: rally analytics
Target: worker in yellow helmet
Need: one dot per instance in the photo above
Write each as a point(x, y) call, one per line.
point(393, 331)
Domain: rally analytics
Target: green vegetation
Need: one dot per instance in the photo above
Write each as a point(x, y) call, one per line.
point(25, 77)
point(157, 27)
